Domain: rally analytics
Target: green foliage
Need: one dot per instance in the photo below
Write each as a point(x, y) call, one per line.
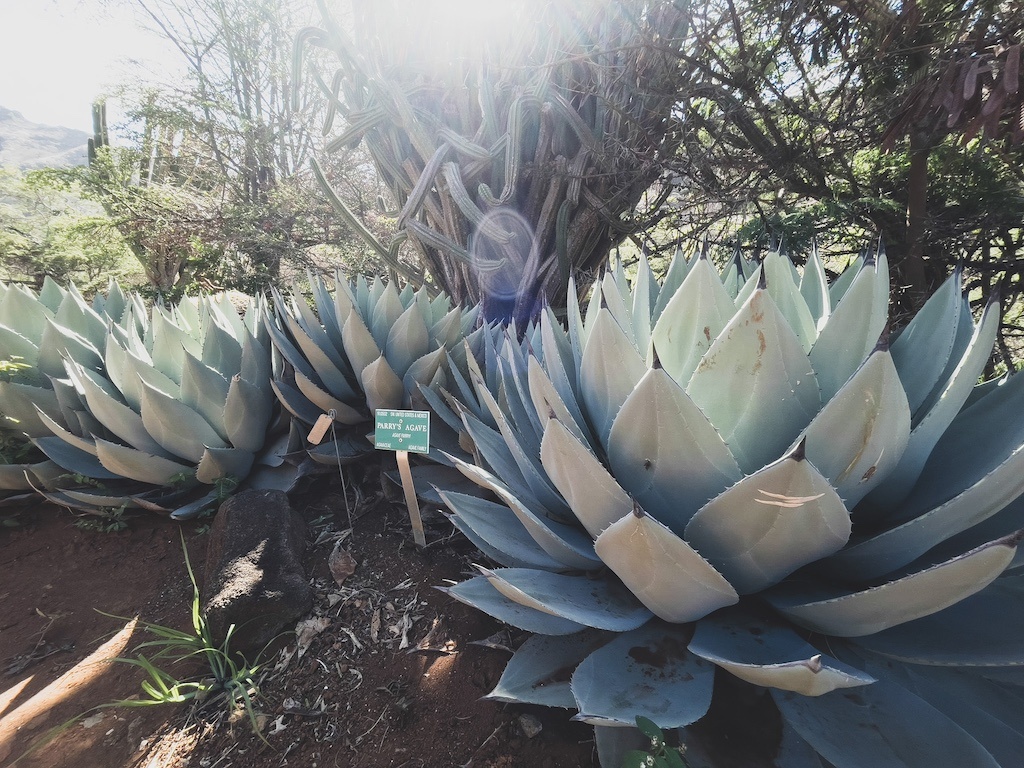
point(47, 228)
point(224, 678)
point(105, 520)
point(660, 754)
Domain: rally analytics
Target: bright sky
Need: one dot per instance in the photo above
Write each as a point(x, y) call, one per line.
point(58, 56)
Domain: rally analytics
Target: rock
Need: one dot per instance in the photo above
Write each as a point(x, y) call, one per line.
point(530, 725)
point(254, 577)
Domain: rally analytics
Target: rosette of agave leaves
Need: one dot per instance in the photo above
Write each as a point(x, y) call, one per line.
point(355, 346)
point(163, 410)
point(747, 475)
point(32, 328)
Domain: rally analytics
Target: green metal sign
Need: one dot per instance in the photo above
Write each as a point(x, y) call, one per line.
point(402, 430)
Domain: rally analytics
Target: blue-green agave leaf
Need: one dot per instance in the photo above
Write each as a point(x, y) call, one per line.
point(646, 672)
point(479, 593)
point(853, 328)
point(504, 538)
point(601, 603)
point(138, 465)
point(540, 670)
point(922, 349)
point(882, 725)
point(772, 655)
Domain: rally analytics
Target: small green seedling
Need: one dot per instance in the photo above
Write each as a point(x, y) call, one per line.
point(660, 755)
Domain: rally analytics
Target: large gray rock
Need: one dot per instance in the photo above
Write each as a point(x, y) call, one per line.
point(254, 577)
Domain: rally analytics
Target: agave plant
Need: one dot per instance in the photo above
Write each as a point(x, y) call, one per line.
point(365, 346)
point(163, 411)
point(35, 332)
point(746, 472)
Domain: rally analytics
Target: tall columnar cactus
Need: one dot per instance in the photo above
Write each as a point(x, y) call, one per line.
point(364, 346)
point(754, 475)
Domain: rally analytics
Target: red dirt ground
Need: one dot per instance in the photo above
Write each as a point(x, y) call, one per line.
point(354, 699)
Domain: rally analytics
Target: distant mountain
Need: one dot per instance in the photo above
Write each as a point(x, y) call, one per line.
point(25, 145)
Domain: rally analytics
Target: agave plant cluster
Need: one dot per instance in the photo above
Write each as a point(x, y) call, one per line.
point(355, 346)
point(160, 409)
point(746, 474)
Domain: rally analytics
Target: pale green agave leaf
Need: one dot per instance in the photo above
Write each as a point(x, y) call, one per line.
point(326, 402)
point(382, 386)
point(247, 413)
point(220, 463)
point(295, 402)
point(664, 451)
point(593, 495)
point(691, 321)
point(524, 456)
point(975, 471)
point(814, 289)
point(170, 344)
point(139, 465)
point(882, 725)
point(858, 437)
point(497, 532)
point(783, 288)
point(204, 390)
point(678, 268)
point(14, 345)
point(426, 371)
point(853, 328)
point(177, 428)
point(755, 384)
point(548, 403)
point(21, 310)
point(359, 343)
point(114, 415)
point(58, 344)
point(407, 340)
point(18, 402)
point(333, 378)
point(81, 443)
point(771, 523)
point(73, 312)
point(610, 369)
point(221, 351)
point(647, 672)
point(613, 301)
point(664, 572)
point(479, 593)
point(386, 311)
point(592, 602)
point(771, 655)
point(983, 630)
point(540, 670)
point(865, 612)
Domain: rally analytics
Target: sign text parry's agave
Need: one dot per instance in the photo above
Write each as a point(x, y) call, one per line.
point(746, 474)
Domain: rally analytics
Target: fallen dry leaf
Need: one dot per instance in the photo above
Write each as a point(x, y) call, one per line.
point(341, 563)
point(307, 629)
point(375, 625)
